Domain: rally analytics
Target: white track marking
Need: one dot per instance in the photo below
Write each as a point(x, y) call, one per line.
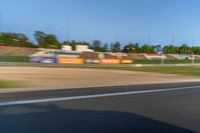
point(13, 103)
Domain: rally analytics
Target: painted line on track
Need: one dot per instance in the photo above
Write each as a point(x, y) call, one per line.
point(23, 102)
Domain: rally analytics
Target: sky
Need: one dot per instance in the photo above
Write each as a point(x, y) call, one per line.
point(140, 21)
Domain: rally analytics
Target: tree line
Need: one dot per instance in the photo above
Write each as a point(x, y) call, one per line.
point(44, 40)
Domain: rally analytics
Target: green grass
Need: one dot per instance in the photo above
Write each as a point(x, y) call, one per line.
point(14, 59)
point(181, 70)
point(165, 61)
point(184, 70)
point(9, 84)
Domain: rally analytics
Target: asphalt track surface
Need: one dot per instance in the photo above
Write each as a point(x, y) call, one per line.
point(160, 108)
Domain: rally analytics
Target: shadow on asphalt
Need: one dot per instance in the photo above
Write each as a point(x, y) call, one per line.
point(54, 119)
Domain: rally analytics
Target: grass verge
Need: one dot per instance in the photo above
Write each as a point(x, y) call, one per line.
point(14, 59)
point(165, 61)
point(183, 70)
point(9, 84)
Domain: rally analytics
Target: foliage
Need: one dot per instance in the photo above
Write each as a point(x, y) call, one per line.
point(147, 49)
point(184, 49)
point(47, 40)
point(116, 47)
point(50, 41)
point(15, 39)
point(97, 46)
point(170, 49)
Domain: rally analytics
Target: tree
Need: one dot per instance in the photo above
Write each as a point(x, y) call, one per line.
point(130, 48)
point(170, 49)
point(52, 42)
point(105, 46)
point(40, 38)
point(184, 49)
point(46, 40)
point(15, 39)
point(137, 47)
point(195, 50)
point(84, 43)
point(116, 47)
point(97, 46)
point(147, 49)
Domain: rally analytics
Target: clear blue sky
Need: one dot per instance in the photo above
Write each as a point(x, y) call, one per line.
point(105, 20)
